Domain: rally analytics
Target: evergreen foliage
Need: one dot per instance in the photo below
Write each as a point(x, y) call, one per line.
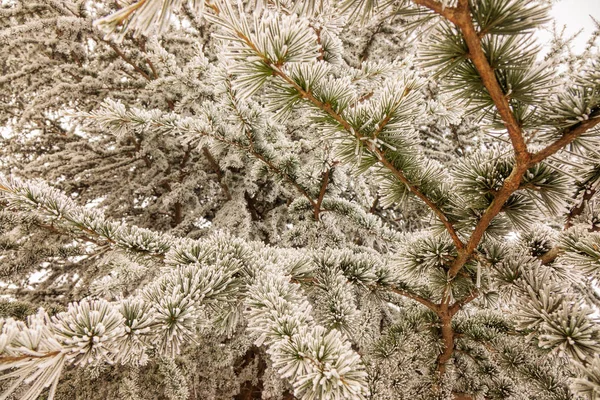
point(297, 200)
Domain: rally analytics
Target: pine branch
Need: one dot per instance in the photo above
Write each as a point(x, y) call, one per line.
point(402, 292)
point(329, 110)
point(55, 205)
point(510, 185)
point(380, 153)
point(568, 135)
point(315, 340)
point(450, 13)
point(461, 17)
point(28, 357)
point(365, 52)
point(189, 127)
point(215, 165)
point(287, 178)
point(578, 209)
point(324, 183)
point(414, 189)
point(427, 303)
point(447, 340)
point(457, 306)
point(550, 256)
point(248, 131)
point(575, 211)
point(127, 59)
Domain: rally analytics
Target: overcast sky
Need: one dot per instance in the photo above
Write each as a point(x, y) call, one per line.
point(575, 14)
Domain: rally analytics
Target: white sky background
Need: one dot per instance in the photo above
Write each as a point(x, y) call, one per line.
point(575, 14)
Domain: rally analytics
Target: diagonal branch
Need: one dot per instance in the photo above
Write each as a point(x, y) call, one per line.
point(454, 308)
point(510, 185)
point(127, 60)
point(414, 189)
point(461, 17)
point(380, 153)
point(551, 255)
point(324, 183)
point(427, 303)
point(413, 296)
point(567, 137)
point(215, 166)
point(327, 108)
point(28, 357)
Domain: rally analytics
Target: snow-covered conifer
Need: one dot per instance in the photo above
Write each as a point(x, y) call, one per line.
point(344, 199)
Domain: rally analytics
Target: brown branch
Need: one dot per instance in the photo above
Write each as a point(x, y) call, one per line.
point(154, 73)
point(413, 296)
point(440, 214)
point(447, 12)
point(252, 151)
point(127, 60)
point(461, 17)
point(324, 183)
point(512, 184)
point(462, 396)
point(551, 255)
point(326, 107)
point(55, 230)
point(427, 303)
point(319, 43)
point(490, 82)
point(365, 53)
point(93, 235)
point(381, 154)
point(578, 209)
point(454, 308)
point(568, 136)
point(215, 166)
point(177, 214)
point(374, 205)
point(12, 359)
point(284, 175)
point(448, 340)
point(184, 161)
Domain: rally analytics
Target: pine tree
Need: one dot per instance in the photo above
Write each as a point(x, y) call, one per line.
point(297, 200)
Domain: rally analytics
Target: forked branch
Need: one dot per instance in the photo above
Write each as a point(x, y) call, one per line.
point(462, 18)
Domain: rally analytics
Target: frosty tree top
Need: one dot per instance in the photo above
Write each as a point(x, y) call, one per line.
point(311, 200)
